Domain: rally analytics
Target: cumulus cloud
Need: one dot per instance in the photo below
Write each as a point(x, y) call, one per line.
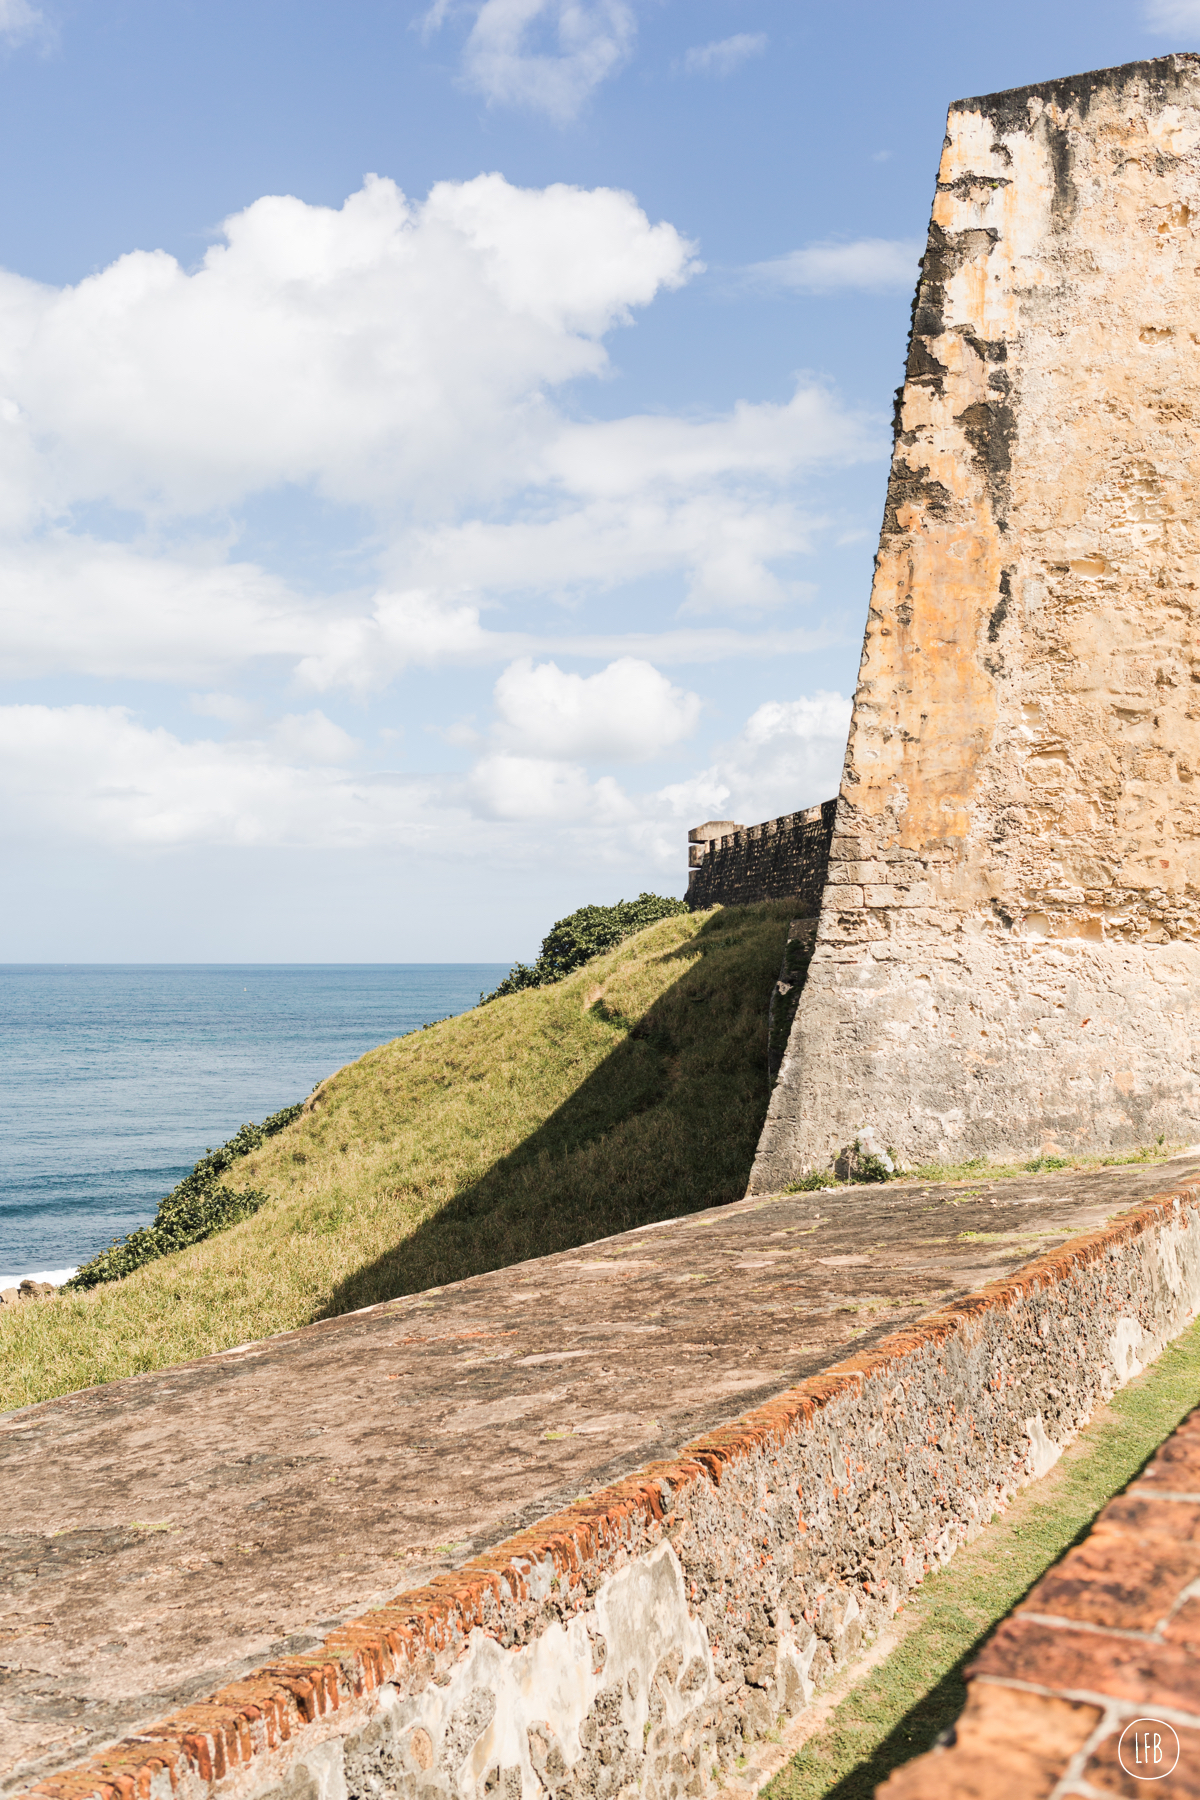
point(788, 755)
point(98, 775)
point(602, 503)
point(723, 543)
point(416, 366)
point(535, 791)
point(82, 607)
point(400, 357)
point(628, 712)
point(546, 55)
point(1173, 15)
point(389, 353)
point(724, 56)
point(310, 739)
point(872, 265)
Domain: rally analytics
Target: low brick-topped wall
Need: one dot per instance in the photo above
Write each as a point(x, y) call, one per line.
point(1092, 1685)
point(781, 859)
point(638, 1639)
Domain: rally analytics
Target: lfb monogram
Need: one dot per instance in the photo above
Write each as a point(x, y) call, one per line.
point(1148, 1750)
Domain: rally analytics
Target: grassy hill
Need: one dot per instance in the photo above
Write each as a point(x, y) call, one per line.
point(633, 1090)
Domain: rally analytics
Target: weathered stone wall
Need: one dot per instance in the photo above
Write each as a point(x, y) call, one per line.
point(639, 1641)
point(781, 859)
point(1009, 946)
point(1052, 1699)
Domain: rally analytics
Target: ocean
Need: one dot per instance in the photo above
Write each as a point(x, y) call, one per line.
point(116, 1077)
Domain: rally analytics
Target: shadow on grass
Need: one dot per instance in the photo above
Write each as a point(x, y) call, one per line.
point(667, 1124)
point(917, 1732)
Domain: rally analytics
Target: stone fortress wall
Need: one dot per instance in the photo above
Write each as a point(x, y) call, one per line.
point(740, 865)
point(1008, 954)
point(658, 1637)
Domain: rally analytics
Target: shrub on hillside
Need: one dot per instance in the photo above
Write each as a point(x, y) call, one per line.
point(195, 1209)
point(587, 932)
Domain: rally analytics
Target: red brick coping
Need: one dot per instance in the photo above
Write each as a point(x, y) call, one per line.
point(244, 1722)
point(1109, 1637)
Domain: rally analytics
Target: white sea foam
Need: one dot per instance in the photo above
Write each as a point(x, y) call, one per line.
point(57, 1276)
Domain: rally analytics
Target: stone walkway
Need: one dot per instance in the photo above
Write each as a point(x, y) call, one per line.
point(165, 1534)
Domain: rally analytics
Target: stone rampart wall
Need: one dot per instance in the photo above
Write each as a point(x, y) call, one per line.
point(1093, 1681)
point(1008, 958)
point(777, 860)
point(644, 1638)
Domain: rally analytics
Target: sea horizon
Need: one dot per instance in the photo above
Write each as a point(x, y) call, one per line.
point(122, 1074)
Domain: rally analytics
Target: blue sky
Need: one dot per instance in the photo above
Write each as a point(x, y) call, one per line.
point(442, 447)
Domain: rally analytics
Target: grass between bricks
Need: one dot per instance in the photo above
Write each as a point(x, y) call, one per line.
point(899, 1709)
point(633, 1090)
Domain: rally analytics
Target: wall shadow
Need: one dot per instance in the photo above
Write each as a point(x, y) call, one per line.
point(668, 1123)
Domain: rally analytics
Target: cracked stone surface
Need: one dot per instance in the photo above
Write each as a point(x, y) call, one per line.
point(164, 1533)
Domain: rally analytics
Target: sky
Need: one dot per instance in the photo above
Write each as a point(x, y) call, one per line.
point(442, 447)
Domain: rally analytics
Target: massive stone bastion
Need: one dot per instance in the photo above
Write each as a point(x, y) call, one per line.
point(1007, 951)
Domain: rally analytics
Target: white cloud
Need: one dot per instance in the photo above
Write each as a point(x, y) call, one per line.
point(624, 456)
point(75, 603)
point(403, 361)
point(869, 264)
point(19, 22)
point(723, 544)
point(712, 498)
point(547, 55)
point(1173, 15)
point(539, 791)
point(312, 740)
point(603, 503)
point(724, 56)
point(231, 709)
point(399, 358)
point(78, 606)
point(627, 712)
point(367, 649)
point(788, 755)
point(98, 776)
point(392, 354)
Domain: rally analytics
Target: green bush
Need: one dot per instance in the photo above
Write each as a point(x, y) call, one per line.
point(192, 1211)
point(588, 932)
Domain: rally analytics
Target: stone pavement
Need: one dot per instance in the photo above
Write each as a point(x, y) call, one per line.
point(1092, 1685)
point(165, 1534)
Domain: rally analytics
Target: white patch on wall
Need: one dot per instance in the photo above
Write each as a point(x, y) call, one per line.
point(1043, 1451)
point(497, 1700)
point(1124, 1346)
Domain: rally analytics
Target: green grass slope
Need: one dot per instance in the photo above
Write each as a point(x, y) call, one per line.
point(633, 1090)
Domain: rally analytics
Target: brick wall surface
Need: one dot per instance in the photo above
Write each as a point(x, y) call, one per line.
point(638, 1641)
point(777, 860)
point(1092, 1686)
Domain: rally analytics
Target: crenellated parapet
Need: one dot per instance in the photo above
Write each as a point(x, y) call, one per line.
point(781, 859)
